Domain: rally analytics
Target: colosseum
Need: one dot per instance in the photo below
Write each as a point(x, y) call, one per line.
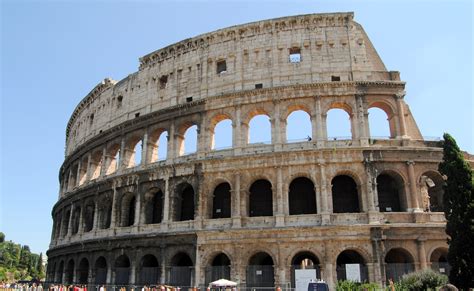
point(138, 205)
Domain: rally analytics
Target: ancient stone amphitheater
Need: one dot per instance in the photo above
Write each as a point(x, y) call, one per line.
point(256, 213)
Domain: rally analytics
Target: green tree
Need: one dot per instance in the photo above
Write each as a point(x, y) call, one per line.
point(25, 258)
point(2, 237)
point(458, 202)
point(40, 267)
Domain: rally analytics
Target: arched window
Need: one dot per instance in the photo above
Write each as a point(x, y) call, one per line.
point(149, 271)
point(221, 201)
point(95, 164)
point(153, 206)
point(162, 143)
point(439, 261)
point(137, 154)
point(89, 210)
point(302, 197)
point(219, 269)
point(261, 199)
point(122, 270)
point(338, 124)
point(83, 271)
point(100, 271)
point(304, 261)
point(189, 143)
point(390, 190)
point(76, 217)
point(105, 213)
point(353, 258)
point(157, 146)
point(378, 123)
point(398, 262)
point(65, 224)
point(184, 203)
point(345, 197)
point(260, 272)
point(58, 277)
point(69, 274)
point(222, 135)
point(298, 126)
point(260, 130)
point(128, 209)
point(113, 154)
point(181, 270)
point(431, 188)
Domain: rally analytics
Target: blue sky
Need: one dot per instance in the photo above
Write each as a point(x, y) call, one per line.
point(54, 52)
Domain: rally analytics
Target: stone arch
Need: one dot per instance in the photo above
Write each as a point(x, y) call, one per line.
point(181, 269)
point(95, 164)
point(69, 272)
point(122, 270)
point(153, 206)
point(304, 260)
point(260, 270)
point(260, 198)
point(431, 191)
point(76, 219)
point(398, 262)
point(149, 272)
point(223, 138)
point(302, 196)
point(100, 270)
point(439, 260)
point(390, 191)
point(105, 212)
point(114, 156)
point(351, 256)
point(65, 224)
point(187, 138)
point(347, 108)
point(298, 125)
point(89, 211)
point(390, 114)
point(127, 209)
point(183, 202)
point(222, 200)
point(252, 121)
point(345, 194)
point(83, 271)
point(133, 150)
point(219, 267)
point(157, 147)
point(58, 277)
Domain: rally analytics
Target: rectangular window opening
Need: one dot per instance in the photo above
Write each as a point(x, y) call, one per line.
point(295, 55)
point(259, 86)
point(163, 81)
point(137, 114)
point(221, 67)
point(335, 78)
point(189, 99)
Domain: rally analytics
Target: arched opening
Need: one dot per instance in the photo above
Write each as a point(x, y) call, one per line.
point(390, 189)
point(260, 272)
point(439, 261)
point(58, 277)
point(157, 146)
point(222, 135)
point(260, 130)
point(184, 203)
point(181, 270)
point(302, 196)
point(188, 144)
point(83, 271)
point(65, 224)
point(351, 266)
point(345, 197)
point(431, 188)
point(95, 164)
point(338, 124)
point(89, 210)
point(153, 206)
point(149, 271)
point(76, 218)
point(69, 274)
point(113, 154)
point(261, 199)
point(398, 262)
point(379, 124)
point(221, 201)
point(306, 265)
point(105, 213)
point(122, 270)
point(162, 143)
point(219, 269)
point(100, 271)
point(298, 127)
point(136, 157)
point(128, 209)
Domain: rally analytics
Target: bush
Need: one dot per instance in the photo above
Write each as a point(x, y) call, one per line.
point(422, 280)
point(347, 285)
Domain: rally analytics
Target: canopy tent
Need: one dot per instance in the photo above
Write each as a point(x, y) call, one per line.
point(222, 283)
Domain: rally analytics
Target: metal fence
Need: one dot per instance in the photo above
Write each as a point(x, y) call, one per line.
point(396, 271)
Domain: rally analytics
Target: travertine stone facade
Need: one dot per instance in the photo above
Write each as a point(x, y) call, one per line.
point(252, 212)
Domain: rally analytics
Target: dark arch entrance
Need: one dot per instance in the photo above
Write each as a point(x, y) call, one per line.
point(261, 199)
point(89, 210)
point(345, 197)
point(100, 271)
point(128, 209)
point(153, 207)
point(260, 272)
point(181, 270)
point(122, 270)
point(149, 271)
point(83, 271)
point(221, 201)
point(431, 183)
point(184, 203)
point(69, 278)
point(389, 189)
point(398, 262)
point(59, 273)
point(219, 269)
point(350, 259)
point(439, 261)
point(302, 197)
point(304, 261)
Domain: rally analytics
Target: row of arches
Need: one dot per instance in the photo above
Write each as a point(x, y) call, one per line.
point(302, 196)
point(225, 131)
point(259, 269)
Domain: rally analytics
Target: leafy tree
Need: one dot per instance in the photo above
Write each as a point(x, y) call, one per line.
point(40, 267)
point(25, 258)
point(2, 237)
point(458, 202)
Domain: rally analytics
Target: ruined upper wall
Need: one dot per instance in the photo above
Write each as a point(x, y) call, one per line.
point(331, 47)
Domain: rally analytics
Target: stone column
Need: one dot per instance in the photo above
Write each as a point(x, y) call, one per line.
point(237, 127)
point(236, 211)
point(80, 228)
point(413, 190)
point(113, 222)
point(69, 225)
point(362, 118)
point(166, 204)
point(324, 208)
point(280, 206)
point(133, 271)
point(276, 124)
point(96, 216)
point(103, 166)
point(88, 168)
point(422, 253)
point(122, 156)
point(138, 204)
point(203, 143)
point(171, 147)
point(328, 266)
point(78, 174)
point(401, 115)
point(144, 160)
point(318, 126)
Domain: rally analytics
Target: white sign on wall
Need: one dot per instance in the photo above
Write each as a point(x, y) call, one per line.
point(353, 272)
point(303, 277)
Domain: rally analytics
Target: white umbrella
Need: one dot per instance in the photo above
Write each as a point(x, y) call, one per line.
point(222, 283)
